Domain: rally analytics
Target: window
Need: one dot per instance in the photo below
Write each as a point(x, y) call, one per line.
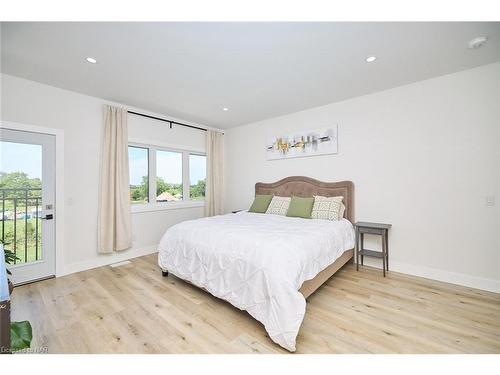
point(138, 159)
point(197, 176)
point(164, 176)
point(169, 176)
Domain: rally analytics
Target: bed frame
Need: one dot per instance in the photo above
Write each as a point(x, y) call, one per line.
point(301, 186)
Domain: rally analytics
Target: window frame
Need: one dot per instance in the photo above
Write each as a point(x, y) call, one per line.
point(153, 205)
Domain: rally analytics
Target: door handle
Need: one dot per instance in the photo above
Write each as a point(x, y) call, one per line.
point(47, 217)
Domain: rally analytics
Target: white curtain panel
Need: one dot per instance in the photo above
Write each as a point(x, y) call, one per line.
point(115, 227)
point(214, 191)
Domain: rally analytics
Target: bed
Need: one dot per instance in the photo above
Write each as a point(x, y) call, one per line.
point(264, 264)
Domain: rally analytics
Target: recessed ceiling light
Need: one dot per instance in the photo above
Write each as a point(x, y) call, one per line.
point(370, 59)
point(91, 60)
point(477, 42)
point(225, 109)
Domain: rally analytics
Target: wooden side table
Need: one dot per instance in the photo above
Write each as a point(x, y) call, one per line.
point(363, 228)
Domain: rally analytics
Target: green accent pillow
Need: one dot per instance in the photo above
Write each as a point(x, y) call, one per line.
point(260, 203)
point(300, 207)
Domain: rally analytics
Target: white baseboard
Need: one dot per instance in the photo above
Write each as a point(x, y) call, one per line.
point(462, 279)
point(105, 260)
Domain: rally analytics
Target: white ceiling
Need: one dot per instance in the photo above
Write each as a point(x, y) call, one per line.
point(257, 70)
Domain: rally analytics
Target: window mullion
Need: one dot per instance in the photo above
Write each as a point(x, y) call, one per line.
point(185, 176)
point(152, 175)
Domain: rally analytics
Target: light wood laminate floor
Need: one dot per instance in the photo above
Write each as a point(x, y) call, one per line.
point(133, 309)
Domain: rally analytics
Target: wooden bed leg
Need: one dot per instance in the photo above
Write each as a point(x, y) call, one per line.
point(164, 273)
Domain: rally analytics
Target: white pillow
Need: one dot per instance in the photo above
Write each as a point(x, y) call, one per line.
point(279, 206)
point(327, 208)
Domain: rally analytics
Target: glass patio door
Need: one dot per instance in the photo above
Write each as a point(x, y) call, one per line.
point(27, 199)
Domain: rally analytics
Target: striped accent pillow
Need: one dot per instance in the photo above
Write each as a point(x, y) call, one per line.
point(279, 206)
point(327, 208)
point(342, 211)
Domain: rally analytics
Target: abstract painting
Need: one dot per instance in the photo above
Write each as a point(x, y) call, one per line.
point(306, 143)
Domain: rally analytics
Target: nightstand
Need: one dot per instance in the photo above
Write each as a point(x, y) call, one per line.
point(382, 230)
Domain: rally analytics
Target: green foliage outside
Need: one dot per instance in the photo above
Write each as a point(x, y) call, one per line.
point(7, 226)
point(173, 189)
point(197, 191)
point(139, 193)
point(18, 180)
point(14, 215)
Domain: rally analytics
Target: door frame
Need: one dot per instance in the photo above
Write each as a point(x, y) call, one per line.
point(59, 183)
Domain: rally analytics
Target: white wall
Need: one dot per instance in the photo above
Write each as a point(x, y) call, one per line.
point(81, 118)
point(422, 157)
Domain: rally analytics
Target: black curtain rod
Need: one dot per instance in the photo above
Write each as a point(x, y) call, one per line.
point(165, 120)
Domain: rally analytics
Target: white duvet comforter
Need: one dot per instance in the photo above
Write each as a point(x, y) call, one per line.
point(257, 262)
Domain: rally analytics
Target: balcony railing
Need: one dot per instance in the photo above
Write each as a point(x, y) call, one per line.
point(21, 227)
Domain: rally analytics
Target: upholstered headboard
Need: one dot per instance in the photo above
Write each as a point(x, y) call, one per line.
point(301, 186)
